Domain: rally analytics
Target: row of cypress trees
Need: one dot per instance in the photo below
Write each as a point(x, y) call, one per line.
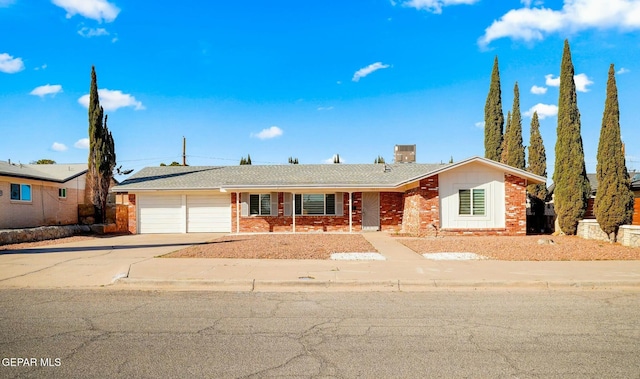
point(614, 201)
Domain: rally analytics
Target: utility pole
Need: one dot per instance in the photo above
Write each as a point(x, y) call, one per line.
point(184, 151)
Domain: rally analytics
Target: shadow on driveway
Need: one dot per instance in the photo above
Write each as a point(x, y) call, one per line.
point(75, 249)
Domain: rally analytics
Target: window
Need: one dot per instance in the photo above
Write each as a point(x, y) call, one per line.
point(471, 202)
point(62, 193)
point(260, 204)
point(316, 204)
point(20, 192)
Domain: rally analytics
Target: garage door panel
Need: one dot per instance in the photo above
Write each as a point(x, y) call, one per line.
point(208, 213)
point(161, 214)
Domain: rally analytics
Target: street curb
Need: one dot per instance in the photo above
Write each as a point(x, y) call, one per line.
point(252, 285)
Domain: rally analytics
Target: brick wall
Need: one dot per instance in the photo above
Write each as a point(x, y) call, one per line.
point(281, 223)
point(421, 214)
point(391, 211)
point(515, 192)
point(132, 216)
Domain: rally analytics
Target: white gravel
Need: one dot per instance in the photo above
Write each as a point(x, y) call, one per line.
point(453, 256)
point(357, 257)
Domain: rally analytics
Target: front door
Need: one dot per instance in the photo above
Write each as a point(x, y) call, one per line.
point(370, 211)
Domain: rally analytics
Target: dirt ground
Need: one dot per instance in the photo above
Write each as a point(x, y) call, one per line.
point(526, 248)
point(278, 246)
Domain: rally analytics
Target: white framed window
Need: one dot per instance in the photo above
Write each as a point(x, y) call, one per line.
point(260, 204)
point(20, 192)
point(62, 193)
point(472, 202)
point(315, 204)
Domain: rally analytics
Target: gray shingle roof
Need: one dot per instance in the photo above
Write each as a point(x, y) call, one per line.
point(336, 176)
point(59, 173)
point(275, 176)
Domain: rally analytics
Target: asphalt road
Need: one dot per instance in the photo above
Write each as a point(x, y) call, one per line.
point(472, 334)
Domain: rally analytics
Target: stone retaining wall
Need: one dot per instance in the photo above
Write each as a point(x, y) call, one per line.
point(628, 235)
point(10, 236)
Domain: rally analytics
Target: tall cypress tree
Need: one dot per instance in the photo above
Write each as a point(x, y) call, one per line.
point(571, 185)
point(102, 156)
point(614, 201)
point(504, 148)
point(515, 154)
point(493, 117)
point(537, 159)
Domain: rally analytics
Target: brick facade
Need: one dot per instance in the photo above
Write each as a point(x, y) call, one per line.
point(133, 215)
point(421, 214)
point(281, 223)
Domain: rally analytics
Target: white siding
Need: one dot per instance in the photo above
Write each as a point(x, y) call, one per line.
point(208, 213)
point(161, 214)
point(471, 176)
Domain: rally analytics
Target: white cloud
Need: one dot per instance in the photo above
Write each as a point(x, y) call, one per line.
point(82, 143)
point(538, 90)
point(330, 160)
point(534, 24)
point(268, 133)
point(46, 89)
point(58, 147)
point(544, 110)
point(93, 32)
point(9, 64)
point(325, 108)
point(623, 70)
point(112, 100)
point(433, 6)
point(551, 81)
point(479, 124)
point(361, 73)
point(43, 67)
point(99, 10)
point(582, 81)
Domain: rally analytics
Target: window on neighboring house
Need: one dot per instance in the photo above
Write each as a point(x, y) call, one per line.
point(471, 202)
point(62, 193)
point(21, 192)
point(260, 204)
point(317, 204)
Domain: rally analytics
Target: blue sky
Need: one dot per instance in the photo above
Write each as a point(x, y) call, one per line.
point(303, 79)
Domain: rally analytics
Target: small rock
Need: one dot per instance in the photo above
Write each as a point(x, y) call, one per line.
point(544, 241)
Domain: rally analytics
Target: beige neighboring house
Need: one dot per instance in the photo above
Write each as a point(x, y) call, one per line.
point(37, 195)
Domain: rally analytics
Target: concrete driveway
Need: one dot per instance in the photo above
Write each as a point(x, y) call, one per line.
point(88, 263)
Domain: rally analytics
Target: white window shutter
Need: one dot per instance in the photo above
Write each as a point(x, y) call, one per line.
point(339, 204)
point(244, 204)
point(288, 203)
point(274, 203)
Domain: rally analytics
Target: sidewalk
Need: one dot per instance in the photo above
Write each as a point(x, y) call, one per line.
point(128, 262)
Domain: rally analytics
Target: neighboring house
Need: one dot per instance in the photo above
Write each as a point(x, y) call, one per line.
point(36, 195)
point(474, 196)
point(593, 182)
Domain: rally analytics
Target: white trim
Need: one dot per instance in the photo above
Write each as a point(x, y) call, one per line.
point(350, 212)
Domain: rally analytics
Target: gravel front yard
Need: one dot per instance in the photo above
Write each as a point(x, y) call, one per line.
point(277, 246)
point(525, 248)
point(320, 246)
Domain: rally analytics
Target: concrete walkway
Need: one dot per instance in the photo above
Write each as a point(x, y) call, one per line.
point(128, 262)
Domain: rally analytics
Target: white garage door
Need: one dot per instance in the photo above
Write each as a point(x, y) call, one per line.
point(207, 213)
point(161, 214)
point(180, 213)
